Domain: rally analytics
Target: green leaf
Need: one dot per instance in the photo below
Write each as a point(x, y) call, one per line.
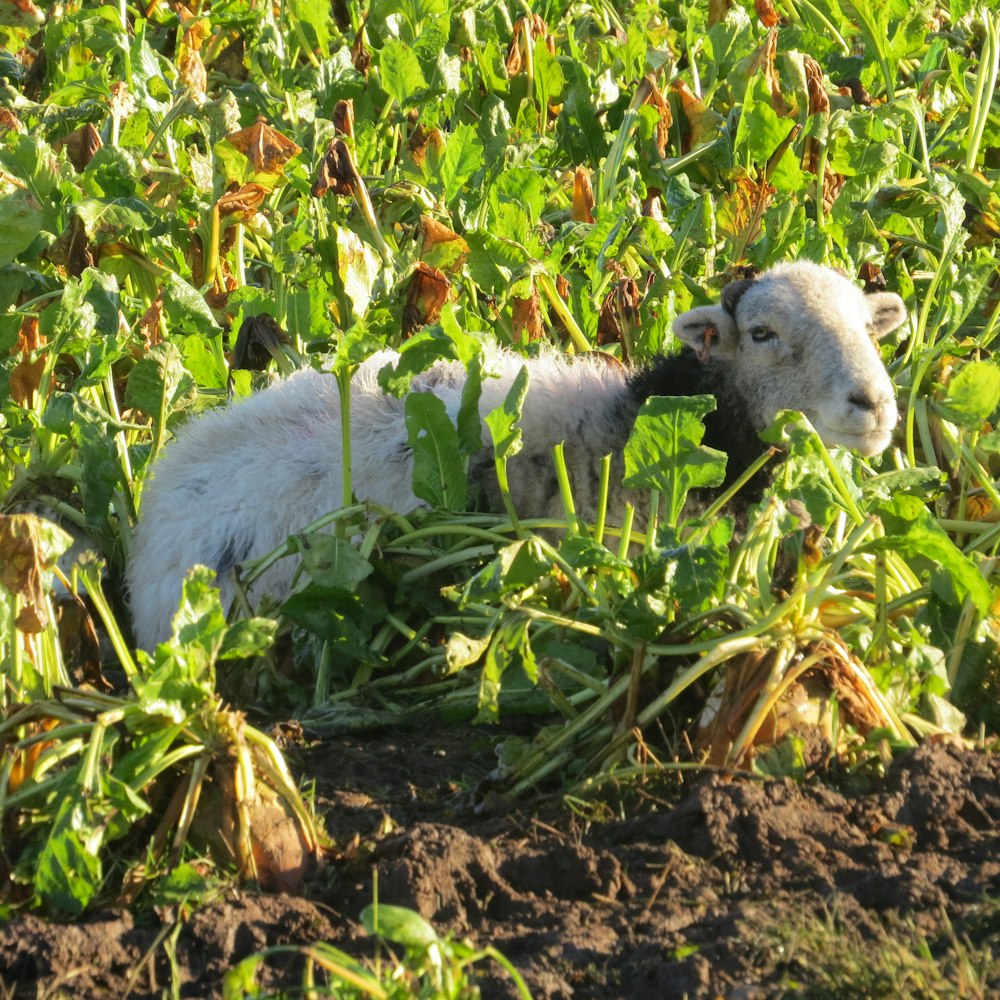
point(492, 261)
point(21, 219)
point(108, 221)
point(913, 532)
point(344, 618)
point(516, 566)
point(183, 884)
point(68, 873)
point(100, 472)
point(924, 482)
point(973, 394)
point(160, 385)
point(664, 450)
point(248, 637)
point(759, 134)
point(399, 925)
point(359, 268)
point(462, 651)
point(400, 72)
point(439, 476)
point(470, 425)
point(509, 648)
point(462, 157)
point(331, 561)
point(503, 421)
point(314, 18)
point(804, 474)
point(697, 574)
point(184, 308)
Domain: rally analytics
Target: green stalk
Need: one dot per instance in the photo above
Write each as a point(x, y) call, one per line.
point(344, 376)
point(576, 335)
point(565, 490)
point(986, 86)
point(211, 256)
point(92, 581)
point(625, 541)
point(196, 781)
point(965, 623)
point(501, 466)
point(602, 500)
point(321, 690)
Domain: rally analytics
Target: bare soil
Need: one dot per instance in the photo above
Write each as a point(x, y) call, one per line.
point(705, 890)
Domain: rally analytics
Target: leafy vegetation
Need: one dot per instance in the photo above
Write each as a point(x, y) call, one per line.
point(417, 174)
point(432, 966)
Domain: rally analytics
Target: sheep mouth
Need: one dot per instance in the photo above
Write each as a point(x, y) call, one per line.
point(867, 442)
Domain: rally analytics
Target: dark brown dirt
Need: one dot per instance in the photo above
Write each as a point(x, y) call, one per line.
point(698, 898)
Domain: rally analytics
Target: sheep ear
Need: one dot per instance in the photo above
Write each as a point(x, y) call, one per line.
point(710, 330)
point(888, 312)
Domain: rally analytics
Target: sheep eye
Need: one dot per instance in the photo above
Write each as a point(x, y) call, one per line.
point(761, 334)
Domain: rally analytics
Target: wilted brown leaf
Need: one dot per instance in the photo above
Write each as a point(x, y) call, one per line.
point(265, 147)
point(527, 317)
point(258, 343)
point(517, 52)
point(833, 184)
point(150, 325)
point(72, 249)
point(703, 123)
point(583, 196)
point(336, 172)
point(26, 375)
point(20, 14)
point(819, 104)
point(872, 276)
point(421, 139)
point(191, 71)
point(766, 12)
point(343, 117)
point(740, 212)
point(81, 145)
point(441, 247)
point(9, 122)
point(859, 93)
point(360, 55)
point(649, 93)
point(22, 559)
point(428, 291)
point(798, 706)
point(762, 61)
point(717, 11)
point(652, 205)
point(231, 61)
point(244, 200)
point(977, 508)
point(619, 317)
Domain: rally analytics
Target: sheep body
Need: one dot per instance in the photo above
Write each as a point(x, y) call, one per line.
point(240, 479)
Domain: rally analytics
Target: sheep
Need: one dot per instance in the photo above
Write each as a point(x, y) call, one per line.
point(238, 480)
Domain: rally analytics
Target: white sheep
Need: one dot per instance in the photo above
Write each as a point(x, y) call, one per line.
point(240, 479)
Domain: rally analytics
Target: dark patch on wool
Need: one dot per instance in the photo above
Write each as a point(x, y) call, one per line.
point(231, 555)
point(195, 487)
point(728, 429)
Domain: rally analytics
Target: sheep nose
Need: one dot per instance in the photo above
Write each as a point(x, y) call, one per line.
point(863, 401)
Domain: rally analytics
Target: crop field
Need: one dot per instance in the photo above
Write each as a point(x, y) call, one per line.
point(739, 748)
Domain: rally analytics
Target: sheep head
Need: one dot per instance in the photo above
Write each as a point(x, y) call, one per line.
point(802, 337)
